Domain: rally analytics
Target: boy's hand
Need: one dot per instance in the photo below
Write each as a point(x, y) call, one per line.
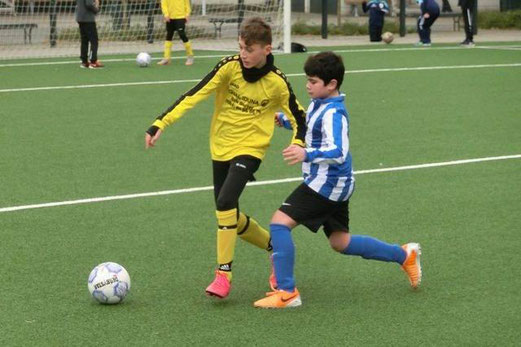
point(282, 121)
point(294, 154)
point(166, 19)
point(426, 15)
point(150, 141)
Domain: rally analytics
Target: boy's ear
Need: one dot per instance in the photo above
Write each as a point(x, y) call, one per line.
point(267, 49)
point(332, 84)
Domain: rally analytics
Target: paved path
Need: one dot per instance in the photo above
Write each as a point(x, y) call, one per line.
point(437, 37)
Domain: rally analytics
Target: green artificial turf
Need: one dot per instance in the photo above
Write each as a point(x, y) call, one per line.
point(68, 144)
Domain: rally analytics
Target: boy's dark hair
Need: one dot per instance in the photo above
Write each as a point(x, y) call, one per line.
point(255, 30)
point(326, 66)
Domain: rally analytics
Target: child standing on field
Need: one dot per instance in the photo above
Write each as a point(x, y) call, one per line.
point(377, 10)
point(430, 11)
point(175, 15)
point(248, 89)
point(322, 200)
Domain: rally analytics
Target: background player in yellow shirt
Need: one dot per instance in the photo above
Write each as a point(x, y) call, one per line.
point(176, 14)
point(248, 89)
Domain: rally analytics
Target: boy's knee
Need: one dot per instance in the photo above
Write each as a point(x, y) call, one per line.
point(225, 203)
point(280, 217)
point(339, 241)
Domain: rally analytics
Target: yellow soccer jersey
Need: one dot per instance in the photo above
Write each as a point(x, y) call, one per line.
point(176, 9)
point(243, 118)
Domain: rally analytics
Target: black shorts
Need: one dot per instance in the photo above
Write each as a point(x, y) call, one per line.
point(307, 207)
point(176, 25)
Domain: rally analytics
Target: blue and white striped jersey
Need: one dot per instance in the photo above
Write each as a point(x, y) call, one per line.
point(328, 168)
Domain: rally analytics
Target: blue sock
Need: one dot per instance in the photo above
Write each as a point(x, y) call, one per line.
point(283, 256)
point(371, 248)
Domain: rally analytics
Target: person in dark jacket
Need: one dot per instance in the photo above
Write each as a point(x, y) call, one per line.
point(377, 11)
point(430, 11)
point(468, 7)
point(86, 11)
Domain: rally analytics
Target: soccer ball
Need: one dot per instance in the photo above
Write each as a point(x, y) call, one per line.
point(109, 283)
point(143, 59)
point(387, 37)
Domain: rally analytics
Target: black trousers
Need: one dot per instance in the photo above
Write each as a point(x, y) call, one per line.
point(176, 25)
point(375, 33)
point(230, 178)
point(88, 33)
point(467, 12)
point(424, 27)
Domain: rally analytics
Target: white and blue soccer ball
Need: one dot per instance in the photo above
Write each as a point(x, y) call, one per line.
point(109, 283)
point(143, 59)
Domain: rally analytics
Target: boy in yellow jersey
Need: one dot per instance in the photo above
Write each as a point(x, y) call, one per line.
point(176, 13)
point(249, 90)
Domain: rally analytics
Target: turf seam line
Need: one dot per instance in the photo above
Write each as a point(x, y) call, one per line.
point(258, 183)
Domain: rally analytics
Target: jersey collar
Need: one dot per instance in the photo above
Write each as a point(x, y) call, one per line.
point(339, 98)
point(253, 74)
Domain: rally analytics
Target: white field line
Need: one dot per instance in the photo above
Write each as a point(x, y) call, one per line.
point(126, 84)
point(258, 183)
point(212, 56)
point(501, 48)
point(113, 60)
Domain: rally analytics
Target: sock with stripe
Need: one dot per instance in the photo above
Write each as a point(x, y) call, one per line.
point(250, 231)
point(226, 237)
point(370, 248)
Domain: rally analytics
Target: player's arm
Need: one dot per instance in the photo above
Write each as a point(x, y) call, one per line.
point(188, 8)
point(295, 115)
point(384, 7)
point(187, 101)
point(164, 9)
point(282, 121)
point(92, 6)
point(335, 138)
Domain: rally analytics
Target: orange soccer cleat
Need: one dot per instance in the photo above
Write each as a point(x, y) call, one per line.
point(279, 299)
point(411, 265)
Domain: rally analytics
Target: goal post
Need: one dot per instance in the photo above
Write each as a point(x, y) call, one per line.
point(48, 28)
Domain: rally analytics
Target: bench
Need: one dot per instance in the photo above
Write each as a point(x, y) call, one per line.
point(456, 17)
point(27, 27)
point(219, 21)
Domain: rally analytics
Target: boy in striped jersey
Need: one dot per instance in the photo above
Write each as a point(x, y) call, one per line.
point(323, 198)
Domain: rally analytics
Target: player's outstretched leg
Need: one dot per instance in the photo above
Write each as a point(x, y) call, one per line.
point(408, 255)
point(411, 265)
